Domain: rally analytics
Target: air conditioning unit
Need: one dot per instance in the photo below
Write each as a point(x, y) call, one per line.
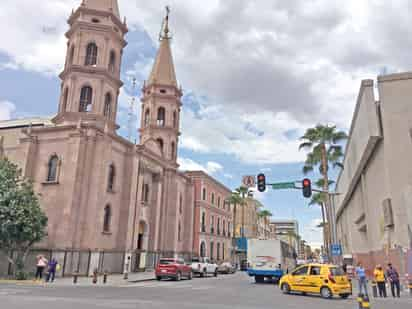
point(387, 213)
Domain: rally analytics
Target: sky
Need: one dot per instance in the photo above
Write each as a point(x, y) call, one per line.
point(255, 75)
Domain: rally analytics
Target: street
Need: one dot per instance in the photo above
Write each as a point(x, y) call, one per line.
point(231, 291)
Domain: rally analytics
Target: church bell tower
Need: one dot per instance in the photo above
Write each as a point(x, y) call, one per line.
point(161, 101)
point(91, 76)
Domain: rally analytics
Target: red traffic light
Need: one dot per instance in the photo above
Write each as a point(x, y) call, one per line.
point(306, 188)
point(261, 177)
point(306, 182)
point(261, 183)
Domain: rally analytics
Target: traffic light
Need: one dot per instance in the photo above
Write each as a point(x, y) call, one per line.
point(306, 188)
point(261, 182)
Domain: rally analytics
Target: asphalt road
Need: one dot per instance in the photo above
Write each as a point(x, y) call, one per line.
point(225, 292)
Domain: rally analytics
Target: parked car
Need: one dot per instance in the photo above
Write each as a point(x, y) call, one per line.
point(173, 269)
point(324, 279)
point(226, 268)
point(203, 266)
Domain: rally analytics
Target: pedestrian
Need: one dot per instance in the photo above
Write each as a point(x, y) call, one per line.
point(379, 276)
point(51, 269)
point(393, 277)
point(40, 266)
point(362, 281)
point(345, 268)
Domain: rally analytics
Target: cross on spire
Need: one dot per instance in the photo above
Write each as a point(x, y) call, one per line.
point(165, 31)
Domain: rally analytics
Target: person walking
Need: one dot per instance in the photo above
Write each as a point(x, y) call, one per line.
point(51, 271)
point(393, 277)
point(40, 266)
point(362, 281)
point(379, 275)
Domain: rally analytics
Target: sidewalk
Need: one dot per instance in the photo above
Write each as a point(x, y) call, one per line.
point(112, 280)
point(355, 289)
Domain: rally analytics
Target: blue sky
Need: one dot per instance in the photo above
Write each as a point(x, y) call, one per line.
point(255, 76)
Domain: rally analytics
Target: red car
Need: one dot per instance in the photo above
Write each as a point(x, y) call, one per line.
point(173, 269)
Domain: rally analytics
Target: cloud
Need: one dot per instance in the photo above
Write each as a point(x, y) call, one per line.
point(6, 110)
point(228, 176)
point(313, 234)
point(190, 165)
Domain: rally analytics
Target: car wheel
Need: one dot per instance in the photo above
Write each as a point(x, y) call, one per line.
point(344, 296)
point(158, 278)
point(325, 292)
point(285, 288)
point(190, 276)
point(203, 273)
point(178, 276)
point(259, 279)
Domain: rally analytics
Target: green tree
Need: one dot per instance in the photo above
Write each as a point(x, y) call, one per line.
point(234, 199)
point(22, 222)
point(324, 151)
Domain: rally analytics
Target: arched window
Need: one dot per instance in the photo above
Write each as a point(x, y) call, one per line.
point(65, 98)
point(52, 168)
point(211, 250)
point(204, 194)
point(107, 218)
point(161, 117)
point(86, 95)
point(213, 199)
point(202, 249)
point(218, 251)
point(203, 222)
point(228, 229)
point(111, 177)
point(223, 251)
point(147, 118)
point(91, 54)
point(112, 61)
point(212, 225)
point(218, 226)
point(160, 142)
point(173, 150)
point(71, 56)
point(174, 119)
point(218, 201)
point(107, 105)
point(224, 227)
point(145, 193)
point(180, 203)
point(179, 232)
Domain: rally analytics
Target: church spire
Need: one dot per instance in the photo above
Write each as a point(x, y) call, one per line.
point(163, 71)
point(103, 5)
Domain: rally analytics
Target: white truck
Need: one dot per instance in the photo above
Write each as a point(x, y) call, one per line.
point(203, 266)
point(269, 259)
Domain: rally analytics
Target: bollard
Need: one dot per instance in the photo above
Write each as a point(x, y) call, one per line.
point(410, 287)
point(359, 299)
point(75, 275)
point(365, 302)
point(126, 272)
point(374, 289)
point(105, 277)
point(95, 274)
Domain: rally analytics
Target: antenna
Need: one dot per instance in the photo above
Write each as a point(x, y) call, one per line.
point(131, 111)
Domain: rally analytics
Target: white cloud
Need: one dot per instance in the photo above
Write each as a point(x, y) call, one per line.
point(228, 176)
point(6, 110)
point(190, 165)
point(313, 234)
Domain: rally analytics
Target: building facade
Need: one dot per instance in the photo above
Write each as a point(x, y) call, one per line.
point(373, 213)
point(246, 219)
point(111, 204)
point(264, 228)
point(287, 231)
point(212, 234)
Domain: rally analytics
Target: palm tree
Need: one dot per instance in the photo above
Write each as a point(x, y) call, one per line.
point(234, 199)
point(319, 199)
point(265, 214)
point(243, 193)
point(324, 150)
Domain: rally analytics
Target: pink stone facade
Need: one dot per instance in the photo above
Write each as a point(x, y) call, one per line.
point(101, 192)
point(213, 221)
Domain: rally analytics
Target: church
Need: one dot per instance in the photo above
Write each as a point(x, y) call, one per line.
point(111, 204)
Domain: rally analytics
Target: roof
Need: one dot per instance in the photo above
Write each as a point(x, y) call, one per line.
point(103, 5)
point(163, 71)
point(202, 174)
point(18, 123)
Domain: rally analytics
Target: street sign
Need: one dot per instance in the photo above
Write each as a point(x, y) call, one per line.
point(283, 185)
point(336, 250)
point(248, 181)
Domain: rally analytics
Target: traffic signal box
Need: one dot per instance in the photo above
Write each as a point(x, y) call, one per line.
point(261, 182)
point(306, 188)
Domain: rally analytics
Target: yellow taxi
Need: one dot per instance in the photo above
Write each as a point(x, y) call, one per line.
point(324, 279)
